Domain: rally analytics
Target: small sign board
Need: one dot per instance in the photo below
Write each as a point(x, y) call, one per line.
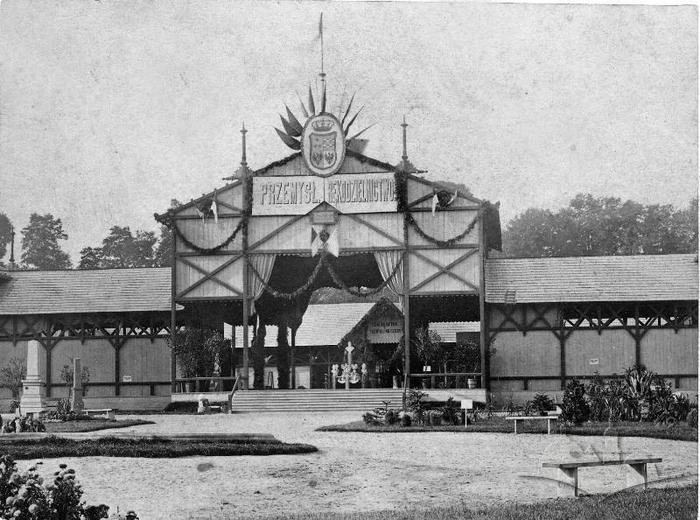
point(126, 379)
point(594, 361)
point(384, 330)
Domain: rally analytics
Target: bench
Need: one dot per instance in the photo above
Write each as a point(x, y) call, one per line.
point(568, 472)
point(108, 413)
point(521, 418)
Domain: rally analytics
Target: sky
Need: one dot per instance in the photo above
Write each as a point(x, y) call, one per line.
point(108, 110)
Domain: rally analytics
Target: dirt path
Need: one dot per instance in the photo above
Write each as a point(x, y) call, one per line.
point(352, 471)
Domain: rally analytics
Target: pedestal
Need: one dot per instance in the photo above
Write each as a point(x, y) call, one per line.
point(33, 399)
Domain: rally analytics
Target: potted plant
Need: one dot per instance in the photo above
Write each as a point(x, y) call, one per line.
point(468, 359)
point(428, 347)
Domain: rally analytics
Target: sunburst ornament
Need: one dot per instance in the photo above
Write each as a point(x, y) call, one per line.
point(323, 138)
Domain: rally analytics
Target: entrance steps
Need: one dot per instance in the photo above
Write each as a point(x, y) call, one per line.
point(312, 400)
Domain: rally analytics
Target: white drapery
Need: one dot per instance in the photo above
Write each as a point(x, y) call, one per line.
point(263, 264)
point(387, 261)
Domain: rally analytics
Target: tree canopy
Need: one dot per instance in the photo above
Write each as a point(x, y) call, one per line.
point(121, 248)
point(40, 247)
point(5, 234)
point(603, 226)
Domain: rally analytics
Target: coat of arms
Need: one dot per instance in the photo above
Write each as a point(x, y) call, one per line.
point(323, 144)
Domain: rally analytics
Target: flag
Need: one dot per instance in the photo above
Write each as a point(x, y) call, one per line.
point(214, 208)
point(320, 29)
point(316, 242)
point(199, 212)
point(435, 201)
point(332, 245)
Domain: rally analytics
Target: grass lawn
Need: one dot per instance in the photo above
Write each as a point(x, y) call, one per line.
point(671, 504)
point(679, 431)
point(53, 447)
point(92, 425)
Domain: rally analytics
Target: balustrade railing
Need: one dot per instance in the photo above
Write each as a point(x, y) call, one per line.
point(438, 380)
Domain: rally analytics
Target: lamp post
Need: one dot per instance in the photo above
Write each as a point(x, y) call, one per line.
point(348, 371)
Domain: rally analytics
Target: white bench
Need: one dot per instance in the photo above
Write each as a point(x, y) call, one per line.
point(568, 472)
point(108, 413)
point(518, 419)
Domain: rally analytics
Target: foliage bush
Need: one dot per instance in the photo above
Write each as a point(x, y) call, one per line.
point(25, 496)
point(451, 412)
point(391, 417)
point(11, 376)
point(575, 409)
point(405, 420)
point(64, 412)
point(692, 418)
point(541, 404)
point(415, 403)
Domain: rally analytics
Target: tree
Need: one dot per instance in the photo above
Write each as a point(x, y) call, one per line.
point(603, 226)
point(164, 249)
point(121, 249)
point(11, 376)
point(5, 233)
point(40, 248)
point(90, 258)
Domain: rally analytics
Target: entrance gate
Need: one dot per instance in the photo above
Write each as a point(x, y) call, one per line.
point(255, 244)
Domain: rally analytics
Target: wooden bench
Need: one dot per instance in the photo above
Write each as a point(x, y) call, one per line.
point(108, 413)
point(517, 419)
point(568, 471)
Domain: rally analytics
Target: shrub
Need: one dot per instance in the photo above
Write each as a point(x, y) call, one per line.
point(391, 417)
point(451, 412)
point(415, 403)
point(575, 409)
point(435, 417)
point(542, 403)
point(12, 375)
point(405, 420)
point(692, 418)
point(25, 496)
point(372, 419)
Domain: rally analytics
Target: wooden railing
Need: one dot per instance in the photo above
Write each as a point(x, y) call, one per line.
point(204, 384)
point(437, 380)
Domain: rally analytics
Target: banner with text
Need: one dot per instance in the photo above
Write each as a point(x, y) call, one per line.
point(348, 193)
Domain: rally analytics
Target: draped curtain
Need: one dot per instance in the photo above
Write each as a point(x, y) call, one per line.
point(263, 264)
point(387, 261)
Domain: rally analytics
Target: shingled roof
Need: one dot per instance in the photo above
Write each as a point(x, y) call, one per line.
point(85, 291)
point(592, 278)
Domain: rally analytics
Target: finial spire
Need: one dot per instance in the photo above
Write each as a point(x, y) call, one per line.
point(404, 157)
point(12, 248)
point(244, 163)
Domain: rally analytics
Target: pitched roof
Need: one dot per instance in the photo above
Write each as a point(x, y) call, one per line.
point(323, 324)
point(592, 278)
point(327, 324)
point(85, 291)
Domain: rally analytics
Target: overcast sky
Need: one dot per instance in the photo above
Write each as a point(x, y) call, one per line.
point(110, 109)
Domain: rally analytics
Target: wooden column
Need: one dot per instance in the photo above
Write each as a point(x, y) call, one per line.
point(406, 314)
point(483, 318)
point(637, 337)
point(292, 360)
point(246, 289)
point(47, 352)
point(117, 344)
point(561, 336)
point(173, 322)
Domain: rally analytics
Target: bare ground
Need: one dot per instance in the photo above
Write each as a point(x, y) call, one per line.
point(355, 471)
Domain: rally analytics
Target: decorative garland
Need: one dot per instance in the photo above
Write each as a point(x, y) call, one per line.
point(370, 292)
point(297, 292)
point(401, 187)
point(322, 261)
point(169, 221)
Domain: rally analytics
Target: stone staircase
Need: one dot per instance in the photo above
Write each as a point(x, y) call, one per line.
point(311, 400)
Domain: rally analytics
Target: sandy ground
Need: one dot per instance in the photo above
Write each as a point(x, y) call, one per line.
point(354, 471)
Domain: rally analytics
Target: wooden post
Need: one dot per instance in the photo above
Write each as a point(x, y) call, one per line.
point(173, 321)
point(406, 315)
point(483, 318)
point(246, 289)
point(292, 354)
point(47, 347)
point(637, 337)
